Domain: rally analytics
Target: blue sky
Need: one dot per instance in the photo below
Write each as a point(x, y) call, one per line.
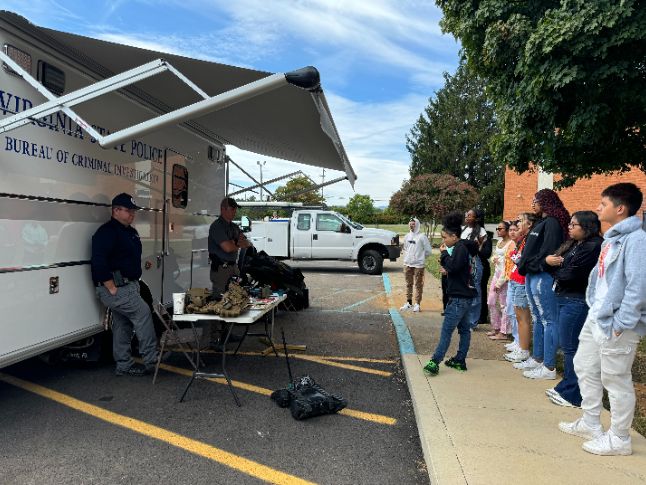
point(380, 61)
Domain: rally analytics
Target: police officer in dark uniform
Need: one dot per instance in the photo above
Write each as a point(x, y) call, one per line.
point(225, 240)
point(116, 269)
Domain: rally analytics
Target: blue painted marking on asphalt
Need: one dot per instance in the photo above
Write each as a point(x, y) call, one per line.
point(406, 345)
point(366, 300)
point(387, 286)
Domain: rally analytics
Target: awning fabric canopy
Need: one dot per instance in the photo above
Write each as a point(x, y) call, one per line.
point(288, 123)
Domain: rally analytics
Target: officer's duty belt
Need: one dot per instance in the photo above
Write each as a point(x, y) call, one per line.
point(125, 282)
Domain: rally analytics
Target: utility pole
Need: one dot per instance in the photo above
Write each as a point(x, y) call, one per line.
point(322, 182)
point(261, 164)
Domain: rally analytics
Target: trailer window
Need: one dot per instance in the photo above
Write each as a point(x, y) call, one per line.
point(180, 186)
point(328, 222)
point(51, 77)
point(304, 222)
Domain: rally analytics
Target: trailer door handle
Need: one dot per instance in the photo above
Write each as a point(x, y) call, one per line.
point(315, 237)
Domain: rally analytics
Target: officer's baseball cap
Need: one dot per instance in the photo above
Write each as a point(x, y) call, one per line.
point(229, 202)
point(124, 200)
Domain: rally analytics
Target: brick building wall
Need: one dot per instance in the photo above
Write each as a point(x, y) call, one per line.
point(583, 195)
point(519, 192)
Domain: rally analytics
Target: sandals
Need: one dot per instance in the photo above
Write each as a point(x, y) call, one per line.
point(500, 336)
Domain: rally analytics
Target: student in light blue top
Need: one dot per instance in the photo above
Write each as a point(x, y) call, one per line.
point(616, 295)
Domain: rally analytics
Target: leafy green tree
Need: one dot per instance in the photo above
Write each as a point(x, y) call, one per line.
point(361, 208)
point(430, 196)
point(390, 216)
point(567, 77)
point(294, 186)
point(453, 136)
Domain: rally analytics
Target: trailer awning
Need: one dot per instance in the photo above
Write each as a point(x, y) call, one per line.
point(288, 123)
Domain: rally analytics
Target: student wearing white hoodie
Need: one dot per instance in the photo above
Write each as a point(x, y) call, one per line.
point(616, 295)
point(416, 249)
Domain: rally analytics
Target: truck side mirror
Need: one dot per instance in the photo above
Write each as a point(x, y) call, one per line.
point(345, 228)
point(245, 224)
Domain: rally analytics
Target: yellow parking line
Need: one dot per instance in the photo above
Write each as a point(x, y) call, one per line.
point(230, 460)
point(375, 418)
point(331, 363)
point(218, 380)
point(309, 356)
point(358, 359)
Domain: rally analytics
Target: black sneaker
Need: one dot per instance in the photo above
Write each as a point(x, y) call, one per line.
point(432, 367)
point(456, 364)
point(136, 370)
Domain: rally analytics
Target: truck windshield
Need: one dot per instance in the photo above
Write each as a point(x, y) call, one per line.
point(356, 225)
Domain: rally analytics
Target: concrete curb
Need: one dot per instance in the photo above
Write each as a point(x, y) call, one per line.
point(433, 434)
point(442, 461)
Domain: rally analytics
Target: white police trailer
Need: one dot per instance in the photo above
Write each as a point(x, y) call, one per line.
point(82, 120)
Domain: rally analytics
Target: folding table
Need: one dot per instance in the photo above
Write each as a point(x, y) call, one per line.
point(247, 318)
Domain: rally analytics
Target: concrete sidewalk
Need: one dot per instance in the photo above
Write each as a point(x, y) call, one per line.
point(490, 425)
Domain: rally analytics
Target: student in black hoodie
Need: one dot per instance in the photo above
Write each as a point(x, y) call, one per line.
point(543, 240)
point(458, 262)
point(474, 232)
point(573, 262)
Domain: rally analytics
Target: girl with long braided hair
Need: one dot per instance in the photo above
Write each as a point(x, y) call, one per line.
point(542, 241)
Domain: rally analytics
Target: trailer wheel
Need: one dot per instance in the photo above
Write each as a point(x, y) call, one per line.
point(371, 262)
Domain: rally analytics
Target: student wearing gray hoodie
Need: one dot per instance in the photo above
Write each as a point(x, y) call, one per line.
point(616, 295)
point(416, 249)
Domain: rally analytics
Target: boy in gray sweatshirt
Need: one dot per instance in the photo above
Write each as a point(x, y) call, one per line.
point(616, 321)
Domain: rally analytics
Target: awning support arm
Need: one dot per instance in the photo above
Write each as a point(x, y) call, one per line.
point(265, 182)
point(258, 184)
point(316, 187)
point(306, 78)
point(65, 102)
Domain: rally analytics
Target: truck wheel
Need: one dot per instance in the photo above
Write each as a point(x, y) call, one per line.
point(371, 262)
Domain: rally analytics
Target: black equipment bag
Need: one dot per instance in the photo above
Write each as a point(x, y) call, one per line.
point(267, 270)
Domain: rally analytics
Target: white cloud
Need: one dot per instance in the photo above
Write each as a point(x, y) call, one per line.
point(394, 34)
point(41, 12)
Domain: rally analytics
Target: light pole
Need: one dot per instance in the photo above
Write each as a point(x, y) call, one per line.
point(261, 164)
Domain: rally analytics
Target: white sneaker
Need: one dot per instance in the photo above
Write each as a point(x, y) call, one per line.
point(581, 429)
point(551, 392)
point(609, 444)
point(561, 401)
point(511, 346)
point(406, 306)
point(416, 307)
point(517, 356)
point(528, 364)
point(540, 372)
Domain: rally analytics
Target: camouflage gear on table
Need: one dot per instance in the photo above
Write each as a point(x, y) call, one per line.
point(197, 298)
point(234, 301)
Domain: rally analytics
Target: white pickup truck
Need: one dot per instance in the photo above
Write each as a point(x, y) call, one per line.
point(320, 234)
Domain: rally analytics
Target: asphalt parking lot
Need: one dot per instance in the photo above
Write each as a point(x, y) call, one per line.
point(65, 424)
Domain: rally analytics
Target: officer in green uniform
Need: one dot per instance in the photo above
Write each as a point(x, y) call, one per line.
point(225, 240)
